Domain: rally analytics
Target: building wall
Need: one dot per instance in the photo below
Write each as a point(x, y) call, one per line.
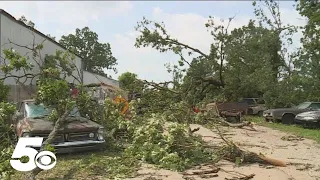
point(89, 78)
point(14, 31)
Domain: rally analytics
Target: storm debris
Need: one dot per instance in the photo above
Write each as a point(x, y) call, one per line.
point(292, 138)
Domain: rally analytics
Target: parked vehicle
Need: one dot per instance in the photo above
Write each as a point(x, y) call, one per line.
point(232, 111)
point(287, 115)
point(308, 119)
point(79, 134)
point(256, 106)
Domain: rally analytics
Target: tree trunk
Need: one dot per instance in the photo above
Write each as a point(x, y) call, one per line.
point(32, 175)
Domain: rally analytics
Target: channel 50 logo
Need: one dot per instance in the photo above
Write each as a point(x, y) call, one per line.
point(36, 159)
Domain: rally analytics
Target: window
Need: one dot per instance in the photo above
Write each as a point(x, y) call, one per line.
point(40, 111)
point(260, 101)
point(34, 111)
point(249, 101)
point(303, 105)
point(315, 105)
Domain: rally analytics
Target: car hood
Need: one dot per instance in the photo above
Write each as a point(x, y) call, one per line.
point(73, 124)
point(281, 109)
point(309, 114)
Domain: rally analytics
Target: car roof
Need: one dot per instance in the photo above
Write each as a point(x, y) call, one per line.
point(28, 100)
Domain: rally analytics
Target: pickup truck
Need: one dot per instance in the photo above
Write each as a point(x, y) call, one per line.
point(232, 111)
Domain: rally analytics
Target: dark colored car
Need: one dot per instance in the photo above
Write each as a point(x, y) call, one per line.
point(287, 115)
point(308, 119)
point(78, 134)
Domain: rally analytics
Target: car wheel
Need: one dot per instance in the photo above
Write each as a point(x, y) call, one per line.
point(287, 119)
point(250, 111)
point(260, 113)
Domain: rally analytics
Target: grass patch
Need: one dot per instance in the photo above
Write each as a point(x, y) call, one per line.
point(313, 134)
point(96, 165)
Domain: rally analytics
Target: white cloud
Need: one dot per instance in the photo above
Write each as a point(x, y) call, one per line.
point(190, 28)
point(59, 17)
point(149, 63)
point(157, 10)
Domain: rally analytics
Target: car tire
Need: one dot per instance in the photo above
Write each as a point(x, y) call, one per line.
point(260, 113)
point(287, 119)
point(250, 111)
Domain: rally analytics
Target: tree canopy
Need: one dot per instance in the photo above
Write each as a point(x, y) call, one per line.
point(96, 56)
point(249, 61)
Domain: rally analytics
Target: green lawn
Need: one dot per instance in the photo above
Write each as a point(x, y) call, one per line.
point(297, 130)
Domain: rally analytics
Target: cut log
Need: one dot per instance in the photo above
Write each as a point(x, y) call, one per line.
point(272, 161)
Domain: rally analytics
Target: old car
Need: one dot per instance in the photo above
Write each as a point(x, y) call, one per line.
point(287, 115)
point(78, 134)
point(308, 119)
point(256, 106)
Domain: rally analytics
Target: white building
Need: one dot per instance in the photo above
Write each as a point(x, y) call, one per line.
point(92, 78)
point(17, 35)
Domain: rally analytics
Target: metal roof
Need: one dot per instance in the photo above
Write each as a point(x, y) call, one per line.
point(33, 29)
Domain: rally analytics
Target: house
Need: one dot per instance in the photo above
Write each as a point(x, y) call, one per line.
point(17, 35)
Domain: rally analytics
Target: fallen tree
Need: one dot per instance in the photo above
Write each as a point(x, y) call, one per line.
point(235, 154)
point(181, 113)
point(167, 140)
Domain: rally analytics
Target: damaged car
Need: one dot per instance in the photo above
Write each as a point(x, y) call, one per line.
point(78, 134)
point(309, 119)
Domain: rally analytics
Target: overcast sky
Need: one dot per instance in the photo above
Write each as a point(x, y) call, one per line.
point(114, 22)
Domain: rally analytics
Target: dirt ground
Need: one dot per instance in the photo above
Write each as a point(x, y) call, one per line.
point(301, 155)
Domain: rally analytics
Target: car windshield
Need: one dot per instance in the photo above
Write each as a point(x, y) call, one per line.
point(38, 111)
point(303, 105)
point(315, 106)
point(34, 111)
